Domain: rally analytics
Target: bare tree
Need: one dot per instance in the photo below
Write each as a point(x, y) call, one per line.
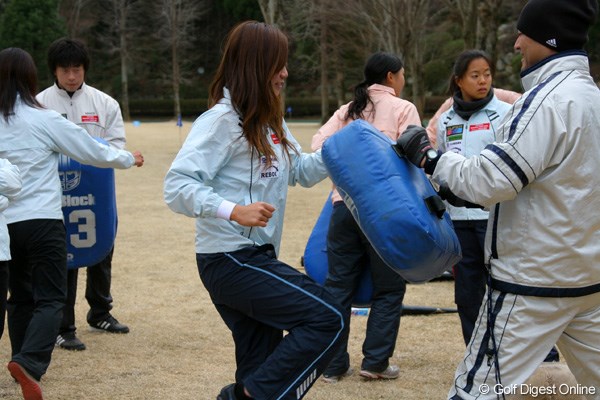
point(270, 10)
point(176, 22)
point(467, 12)
point(399, 26)
point(340, 46)
point(118, 13)
point(72, 10)
point(382, 18)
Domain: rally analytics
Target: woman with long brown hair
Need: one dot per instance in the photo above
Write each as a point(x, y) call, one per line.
point(232, 175)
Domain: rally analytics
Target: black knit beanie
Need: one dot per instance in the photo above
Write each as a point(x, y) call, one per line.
point(558, 24)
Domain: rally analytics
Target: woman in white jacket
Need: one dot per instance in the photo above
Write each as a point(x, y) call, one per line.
point(466, 128)
point(10, 186)
point(32, 138)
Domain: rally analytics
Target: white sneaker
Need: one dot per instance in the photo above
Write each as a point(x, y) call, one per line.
point(391, 372)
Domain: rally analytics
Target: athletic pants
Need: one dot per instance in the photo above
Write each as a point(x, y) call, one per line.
point(37, 285)
point(470, 277)
point(470, 273)
point(524, 330)
point(97, 293)
point(3, 293)
point(348, 253)
point(258, 298)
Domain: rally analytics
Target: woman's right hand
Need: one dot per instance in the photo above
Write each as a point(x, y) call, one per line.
point(139, 158)
point(255, 214)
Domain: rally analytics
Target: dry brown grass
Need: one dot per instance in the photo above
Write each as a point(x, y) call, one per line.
point(178, 347)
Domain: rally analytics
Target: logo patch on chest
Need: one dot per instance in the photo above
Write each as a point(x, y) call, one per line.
point(454, 132)
point(269, 171)
point(274, 138)
point(89, 118)
point(480, 127)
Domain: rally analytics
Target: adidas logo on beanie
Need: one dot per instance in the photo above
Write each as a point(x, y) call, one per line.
point(558, 24)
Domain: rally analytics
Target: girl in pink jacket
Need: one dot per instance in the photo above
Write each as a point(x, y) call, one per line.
point(376, 100)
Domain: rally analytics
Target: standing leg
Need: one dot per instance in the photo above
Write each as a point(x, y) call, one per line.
point(97, 289)
point(256, 285)
point(524, 329)
point(97, 293)
point(37, 287)
point(384, 320)
point(66, 338)
point(3, 293)
point(580, 345)
point(346, 258)
point(254, 341)
point(470, 273)
point(68, 320)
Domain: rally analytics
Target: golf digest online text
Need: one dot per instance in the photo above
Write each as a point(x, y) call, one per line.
point(534, 391)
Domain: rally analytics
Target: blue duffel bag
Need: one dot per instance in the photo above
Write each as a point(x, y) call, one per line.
point(393, 202)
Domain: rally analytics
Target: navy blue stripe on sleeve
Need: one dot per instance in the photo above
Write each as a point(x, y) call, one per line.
point(510, 162)
point(527, 104)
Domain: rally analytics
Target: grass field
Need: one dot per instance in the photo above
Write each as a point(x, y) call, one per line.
point(178, 347)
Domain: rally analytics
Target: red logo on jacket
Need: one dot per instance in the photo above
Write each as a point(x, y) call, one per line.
point(90, 118)
point(479, 127)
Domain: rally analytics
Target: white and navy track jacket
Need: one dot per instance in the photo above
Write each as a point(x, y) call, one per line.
point(33, 140)
point(469, 137)
point(95, 111)
point(216, 163)
point(541, 181)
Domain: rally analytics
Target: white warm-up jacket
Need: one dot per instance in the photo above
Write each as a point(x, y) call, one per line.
point(95, 111)
point(541, 181)
point(32, 140)
point(469, 137)
point(10, 186)
point(216, 164)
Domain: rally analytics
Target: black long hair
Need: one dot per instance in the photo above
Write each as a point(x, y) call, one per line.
point(461, 65)
point(18, 76)
point(376, 69)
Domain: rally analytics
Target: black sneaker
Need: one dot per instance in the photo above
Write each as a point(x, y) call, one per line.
point(110, 324)
point(69, 341)
point(227, 393)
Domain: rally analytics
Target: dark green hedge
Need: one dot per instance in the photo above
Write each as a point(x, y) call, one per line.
point(302, 107)
point(164, 107)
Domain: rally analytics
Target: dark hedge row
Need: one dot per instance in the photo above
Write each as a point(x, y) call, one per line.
point(305, 107)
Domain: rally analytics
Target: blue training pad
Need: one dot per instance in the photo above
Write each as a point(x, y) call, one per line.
point(316, 263)
point(89, 210)
point(387, 196)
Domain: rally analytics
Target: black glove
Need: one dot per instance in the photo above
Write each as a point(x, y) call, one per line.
point(413, 143)
point(445, 193)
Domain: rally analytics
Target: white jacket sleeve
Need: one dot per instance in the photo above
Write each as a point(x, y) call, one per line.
point(115, 129)
point(187, 186)
point(307, 169)
point(514, 161)
point(67, 138)
point(10, 182)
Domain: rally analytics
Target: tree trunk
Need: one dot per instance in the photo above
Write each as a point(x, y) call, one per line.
point(176, 78)
point(124, 56)
point(324, 71)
